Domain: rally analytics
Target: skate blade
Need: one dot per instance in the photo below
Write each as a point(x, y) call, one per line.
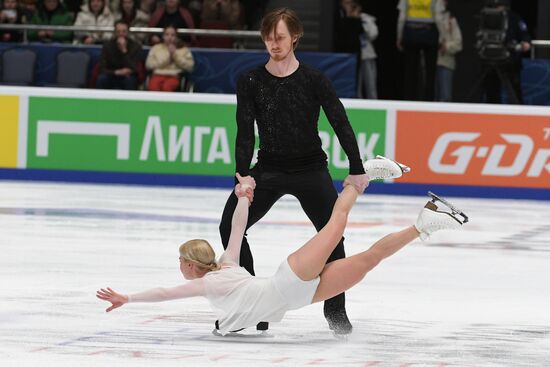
point(341, 337)
point(456, 213)
point(235, 334)
point(403, 167)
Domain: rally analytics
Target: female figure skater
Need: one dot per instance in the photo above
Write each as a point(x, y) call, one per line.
point(241, 300)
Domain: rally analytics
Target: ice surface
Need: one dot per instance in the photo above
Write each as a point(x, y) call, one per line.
point(478, 297)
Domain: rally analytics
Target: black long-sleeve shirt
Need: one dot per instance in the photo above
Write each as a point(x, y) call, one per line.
point(286, 110)
point(112, 58)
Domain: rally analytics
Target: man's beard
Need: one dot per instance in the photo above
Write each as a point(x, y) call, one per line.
point(279, 56)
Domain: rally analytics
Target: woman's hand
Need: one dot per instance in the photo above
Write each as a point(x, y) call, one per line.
point(110, 295)
point(245, 187)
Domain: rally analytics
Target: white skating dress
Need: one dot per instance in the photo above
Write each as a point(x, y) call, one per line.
point(241, 300)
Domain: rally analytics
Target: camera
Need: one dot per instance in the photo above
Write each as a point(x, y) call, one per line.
point(493, 25)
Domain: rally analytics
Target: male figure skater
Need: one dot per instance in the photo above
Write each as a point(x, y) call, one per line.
point(284, 97)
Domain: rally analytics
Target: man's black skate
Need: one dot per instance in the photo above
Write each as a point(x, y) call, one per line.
point(339, 323)
point(262, 326)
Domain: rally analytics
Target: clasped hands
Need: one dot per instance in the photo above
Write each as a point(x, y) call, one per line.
point(245, 187)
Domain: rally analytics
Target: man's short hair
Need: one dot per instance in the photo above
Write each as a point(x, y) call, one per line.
point(271, 19)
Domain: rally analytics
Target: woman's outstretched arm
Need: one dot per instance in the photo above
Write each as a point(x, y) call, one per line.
point(245, 192)
point(193, 288)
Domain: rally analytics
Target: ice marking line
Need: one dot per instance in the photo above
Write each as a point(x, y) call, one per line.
point(40, 349)
point(137, 354)
point(157, 318)
point(223, 356)
point(317, 361)
point(121, 215)
point(98, 352)
point(279, 360)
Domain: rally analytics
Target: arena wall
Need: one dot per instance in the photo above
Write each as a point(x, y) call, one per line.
point(151, 138)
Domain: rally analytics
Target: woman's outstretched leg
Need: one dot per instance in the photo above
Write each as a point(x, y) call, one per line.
point(309, 260)
point(340, 275)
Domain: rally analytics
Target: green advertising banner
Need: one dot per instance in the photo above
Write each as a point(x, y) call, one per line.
point(194, 138)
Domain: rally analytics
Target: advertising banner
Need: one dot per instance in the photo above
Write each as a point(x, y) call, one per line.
point(192, 138)
point(9, 125)
point(475, 149)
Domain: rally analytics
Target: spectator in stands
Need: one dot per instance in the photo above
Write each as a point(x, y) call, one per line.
point(29, 8)
point(128, 11)
point(168, 60)
point(220, 14)
point(348, 27)
point(174, 14)
point(367, 68)
point(355, 31)
point(51, 12)
point(253, 12)
point(418, 38)
point(450, 43)
point(11, 14)
point(94, 13)
point(73, 6)
point(226, 11)
point(120, 60)
point(148, 6)
point(195, 8)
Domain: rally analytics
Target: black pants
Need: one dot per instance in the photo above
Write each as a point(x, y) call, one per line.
point(416, 88)
point(316, 193)
point(505, 77)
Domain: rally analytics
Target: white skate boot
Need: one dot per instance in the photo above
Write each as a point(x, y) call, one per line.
point(431, 219)
point(382, 168)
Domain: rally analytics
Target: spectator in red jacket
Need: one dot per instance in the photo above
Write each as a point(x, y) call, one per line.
point(174, 14)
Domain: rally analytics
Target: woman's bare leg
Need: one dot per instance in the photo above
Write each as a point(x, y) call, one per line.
point(309, 260)
point(342, 274)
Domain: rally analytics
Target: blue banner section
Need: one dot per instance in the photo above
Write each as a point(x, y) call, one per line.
point(216, 70)
point(535, 82)
point(228, 182)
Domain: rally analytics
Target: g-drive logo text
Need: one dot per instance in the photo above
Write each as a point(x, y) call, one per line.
point(528, 159)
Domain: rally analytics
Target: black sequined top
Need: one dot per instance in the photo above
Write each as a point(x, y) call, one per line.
point(287, 110)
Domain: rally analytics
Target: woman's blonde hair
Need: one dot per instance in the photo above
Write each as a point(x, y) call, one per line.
point(200, 253)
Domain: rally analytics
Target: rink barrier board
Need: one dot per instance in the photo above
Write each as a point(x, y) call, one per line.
point(464, 149)
point(9, 131)
point(226, 183)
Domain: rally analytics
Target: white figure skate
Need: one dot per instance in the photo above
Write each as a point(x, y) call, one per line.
point(382, 168)
point(432, 219)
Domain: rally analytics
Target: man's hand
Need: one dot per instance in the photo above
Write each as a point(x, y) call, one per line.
point(359, 182)
point(245, 187)
point(123, 72)
point(110, 295)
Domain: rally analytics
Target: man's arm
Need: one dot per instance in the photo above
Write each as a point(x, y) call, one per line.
point(336, 114)
point(244, 145)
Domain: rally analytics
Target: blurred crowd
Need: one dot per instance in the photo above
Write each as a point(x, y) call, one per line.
point(428, 36)
point(204, 14)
